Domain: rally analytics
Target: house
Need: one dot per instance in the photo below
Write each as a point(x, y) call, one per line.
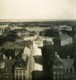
point(6, 69)
point(22, 32)
point(22, 65)
point(65, 38)
point(2, 28)
point(20, 69)
point(38, 41)
point(63, 69)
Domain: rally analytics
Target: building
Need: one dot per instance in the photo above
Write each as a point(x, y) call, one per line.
point(63, 69)
point(22, 32)
point(65, 38)
point(6, 69)
point(37, 63)
point(20, 69)
point(2, 28)
point(22, 65)
point(38, 41)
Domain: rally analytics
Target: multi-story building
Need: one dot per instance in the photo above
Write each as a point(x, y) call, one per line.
point(63, 69)
point(16, 68)
point(20, 69)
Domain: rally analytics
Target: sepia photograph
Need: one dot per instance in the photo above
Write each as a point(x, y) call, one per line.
point(37, 40)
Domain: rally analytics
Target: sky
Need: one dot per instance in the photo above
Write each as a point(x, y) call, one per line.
point(37, 9)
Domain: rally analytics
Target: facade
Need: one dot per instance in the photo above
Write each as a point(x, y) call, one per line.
point(16, 68)
point(63, 69)
point(38, 41)
point(20, 70)
point(65, 38)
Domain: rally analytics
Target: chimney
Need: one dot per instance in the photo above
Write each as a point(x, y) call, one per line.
point(56, 53)
point(4, 56)
point(10, 58)
point(68, 57)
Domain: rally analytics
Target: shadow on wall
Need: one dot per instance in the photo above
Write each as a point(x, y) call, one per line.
point(38, 59)
point(37, 75)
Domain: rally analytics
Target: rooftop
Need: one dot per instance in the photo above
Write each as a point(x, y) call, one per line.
point(66, 62)
point(21, 64)
point(8, 65)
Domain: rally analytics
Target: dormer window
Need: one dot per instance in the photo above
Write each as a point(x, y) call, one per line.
point(16, 71)
point(66, 70)
point(56, 64)
point(54, 72)
point(61, 72)
point(72, 70)
point(58, 72)
point(61, 66)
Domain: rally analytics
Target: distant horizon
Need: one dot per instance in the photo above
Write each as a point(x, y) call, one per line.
point(34, 20)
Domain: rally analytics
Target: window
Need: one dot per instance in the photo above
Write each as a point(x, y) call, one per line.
point(24, 77)
point(72, 70)
point(61, 72)
point(20, 78)
point(16, 77)
point(20, 71)
point(16, 71)
point(66, 70)
point(58, 72)
point(24, 72)
point(61, 66)
point(54, 72)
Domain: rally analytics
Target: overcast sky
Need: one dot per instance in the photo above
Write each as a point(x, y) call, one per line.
point(37, 9)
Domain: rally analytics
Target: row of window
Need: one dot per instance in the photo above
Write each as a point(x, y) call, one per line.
point(20, 71)
point(64, 78)
point(57, 72)
point(20, 77)
point(63, 71)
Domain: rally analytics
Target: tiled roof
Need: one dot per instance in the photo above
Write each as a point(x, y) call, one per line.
point(8, 65)
point(20, 63)
point(68, 63)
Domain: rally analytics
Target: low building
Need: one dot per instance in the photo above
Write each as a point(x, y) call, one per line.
point(2, 28)
point(22, 32)
point(38, 41)
point(65, 38)
point(63, 69)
